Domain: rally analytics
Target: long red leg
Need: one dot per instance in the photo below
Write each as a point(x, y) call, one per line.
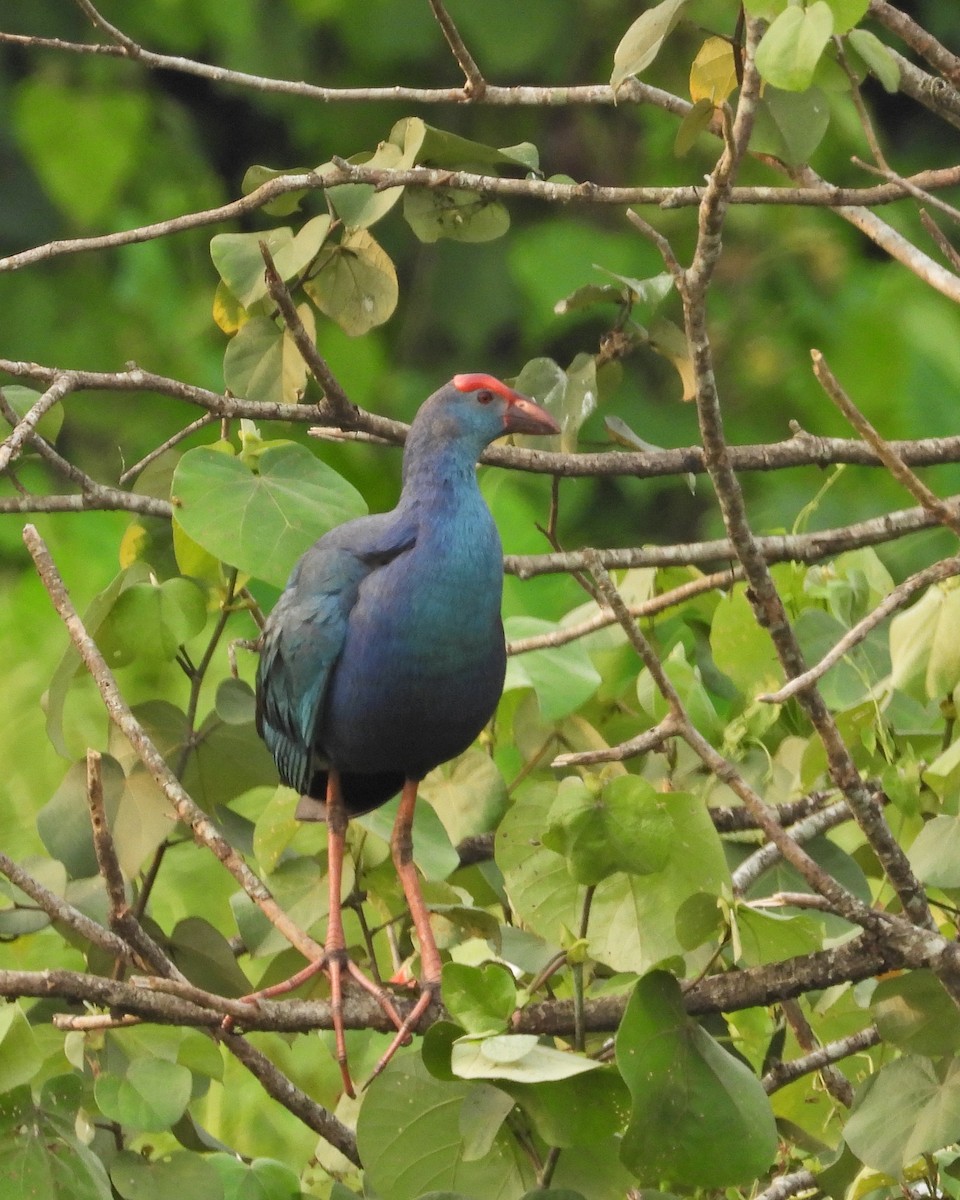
point(401, 844)
point(335, 960)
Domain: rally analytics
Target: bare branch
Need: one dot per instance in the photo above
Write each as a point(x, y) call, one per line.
point(901, 595)
point(816, 192)
point(13, 444)
point(752, 867)
point(174, 440)
point(476, 85)
point(917, 192)
point(59, 910)
point(917, 38)
point(888, 239)
point(786, 1186)
point(783, 1073)
point(604, 617)
point(801, 547)
point(947, 514)
point(338, 402)
point(643, 743)
point(204, 832)
point(832, 1077)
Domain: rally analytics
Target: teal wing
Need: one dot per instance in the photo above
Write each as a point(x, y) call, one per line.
point(304, 636)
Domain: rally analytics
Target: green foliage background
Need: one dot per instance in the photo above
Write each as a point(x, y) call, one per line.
point(93, 143)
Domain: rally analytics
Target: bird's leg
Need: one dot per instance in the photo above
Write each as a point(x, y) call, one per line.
point(335, 959)
point(335, 944)
point(401, 844)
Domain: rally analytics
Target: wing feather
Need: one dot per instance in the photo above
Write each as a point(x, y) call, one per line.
point(305, 633)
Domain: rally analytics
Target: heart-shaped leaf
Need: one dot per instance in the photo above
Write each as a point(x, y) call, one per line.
point(261, 522)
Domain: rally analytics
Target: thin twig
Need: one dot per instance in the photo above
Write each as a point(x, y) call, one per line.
point(918, 192)
point(338, 403)
point(476, 85)
point(14, 442)
point(812, 192)
point(833, 1078)
point(752, 867)
point(603, 618)
point(59, 910)
point(173, 440)
point(202, 829)
point(901, 595)
point(782, 1073)
point(944, 512)
point(643, 743)
point(945, 246)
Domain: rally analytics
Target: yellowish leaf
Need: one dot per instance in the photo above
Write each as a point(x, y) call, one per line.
point(713, 75)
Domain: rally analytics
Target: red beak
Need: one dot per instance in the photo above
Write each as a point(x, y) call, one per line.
point(524, 416)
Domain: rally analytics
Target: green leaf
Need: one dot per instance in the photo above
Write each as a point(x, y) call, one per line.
point(481, 999)
point(641, 44)
point(239, 259)
point(433, 852)
point(790, 50)
point(914, 1013)
point(282, 206)
point(622, 827)
point(846, 13)
point(261, 523)
point(409, 1117)
point(262, 361)
point(769, 937)
point(516, 1056)
point(741, 648)
point(695, 122)
point(52, 118)
point(152, 621)
point(64, 821)
point(877, 57)
point(204, 955)
point(767, 10)
point(20, 1055)
point(942, 777)
point(360, 205)
point(22, 399)
point(461, 216)
point(441, 148)
point(700, 1118)
point(790, 125)
point(41, 1157)
point(355, 283)
point(907, 1109)
point(581, 1111)
point(634, 918)
point(485, 1108)
point(935, 853)
point(563, 677)
point(150, 1096)
point(179, 1174)
point(911, 640)
point(236, 702)
point(468, 794)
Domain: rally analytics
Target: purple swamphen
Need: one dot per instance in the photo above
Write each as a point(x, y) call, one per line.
point(385, 655)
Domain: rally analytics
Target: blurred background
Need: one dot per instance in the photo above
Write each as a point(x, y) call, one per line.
point(91, 144)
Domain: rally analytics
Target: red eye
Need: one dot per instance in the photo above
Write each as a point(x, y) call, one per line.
point(484, 397)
